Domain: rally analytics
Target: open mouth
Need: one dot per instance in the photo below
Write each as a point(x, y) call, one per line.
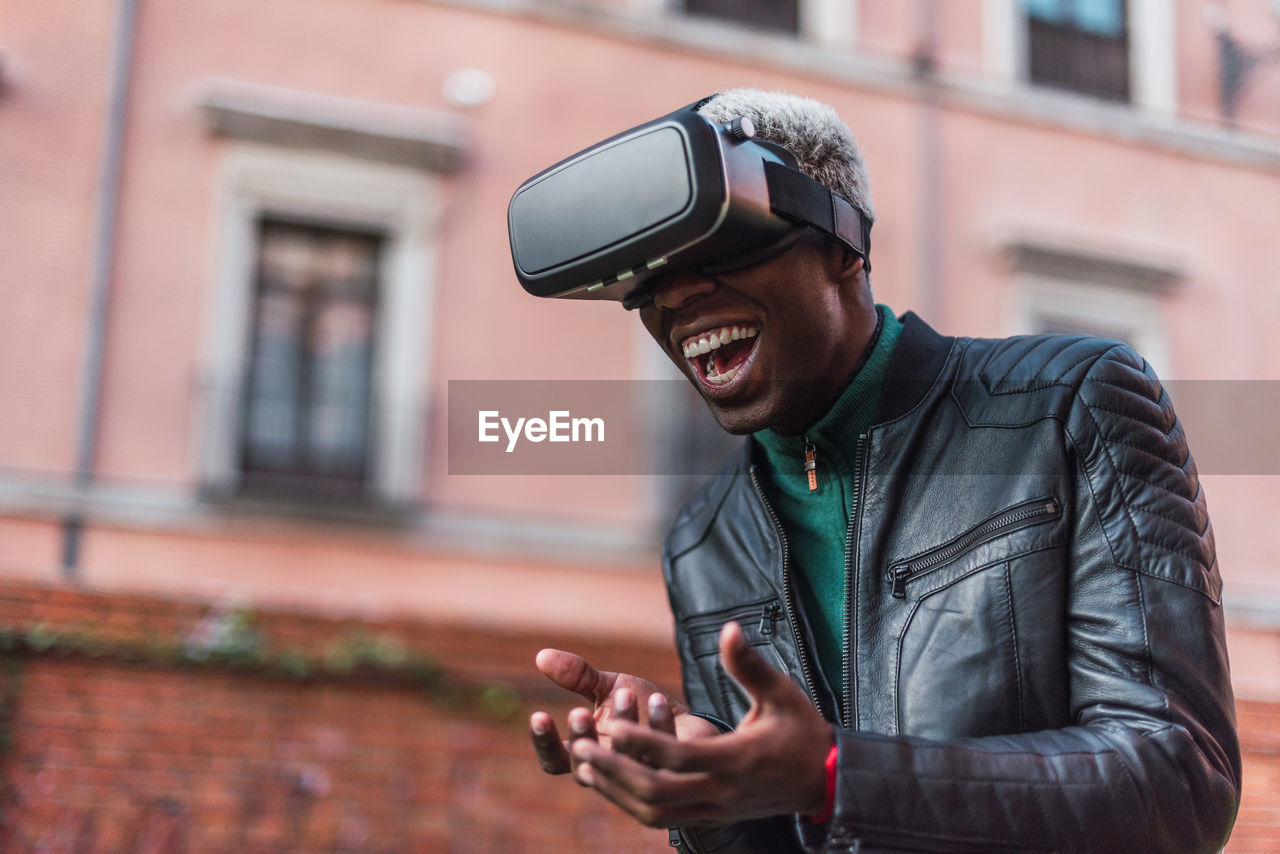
point(718, 355)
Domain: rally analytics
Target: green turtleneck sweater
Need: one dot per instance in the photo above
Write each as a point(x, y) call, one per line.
point(816, 522)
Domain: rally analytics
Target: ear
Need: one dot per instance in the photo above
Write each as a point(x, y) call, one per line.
point(843, 264)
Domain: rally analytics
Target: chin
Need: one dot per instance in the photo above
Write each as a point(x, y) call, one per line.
point(739, 421)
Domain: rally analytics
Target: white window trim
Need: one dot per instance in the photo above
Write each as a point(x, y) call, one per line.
point(400, 202)
point(1003, 41)
point(1092, 305)
point(1152, 50)
point(830, 23)
point(826, 23)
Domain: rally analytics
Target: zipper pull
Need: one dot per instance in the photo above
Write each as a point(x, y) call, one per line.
point(811, 464)
point(900, 576)
point(769, 616)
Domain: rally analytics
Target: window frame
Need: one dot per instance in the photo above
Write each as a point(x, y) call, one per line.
point(1116, 290)
point(1066, 44)
point(263, 181)
point(1153, 82)
point(302, 478)
point(1128, 315)
point(825, 23)
point(683, 6)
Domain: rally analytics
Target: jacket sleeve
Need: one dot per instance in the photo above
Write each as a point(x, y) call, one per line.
point(774, 835)
point(1151, 761)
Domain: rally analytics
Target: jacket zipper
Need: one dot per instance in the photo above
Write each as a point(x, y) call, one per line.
point(1031, 512)
point(787, 599)
point(846, 654)
point(768, 611)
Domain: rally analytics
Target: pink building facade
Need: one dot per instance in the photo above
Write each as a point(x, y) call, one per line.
point(250, 250)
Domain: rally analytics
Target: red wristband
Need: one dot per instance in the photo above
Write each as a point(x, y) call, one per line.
point(831, 787)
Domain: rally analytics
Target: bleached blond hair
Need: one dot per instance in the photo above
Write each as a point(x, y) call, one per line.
point(822, 143)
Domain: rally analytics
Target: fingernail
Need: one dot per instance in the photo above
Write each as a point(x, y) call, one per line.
point(580, 724)
point(623, 700)
point(657, 704)
point(587, 775)
point(582, 750)
point(539, 725)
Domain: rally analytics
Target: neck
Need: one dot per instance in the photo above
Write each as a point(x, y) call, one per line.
point(862, 344)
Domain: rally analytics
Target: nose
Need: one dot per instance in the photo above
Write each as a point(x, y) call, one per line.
point(681, 287)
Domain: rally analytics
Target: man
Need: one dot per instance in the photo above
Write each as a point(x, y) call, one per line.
point(953, 595)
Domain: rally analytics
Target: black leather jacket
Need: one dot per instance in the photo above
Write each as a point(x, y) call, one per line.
point(1035, 655)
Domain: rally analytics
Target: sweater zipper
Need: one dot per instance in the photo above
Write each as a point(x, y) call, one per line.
point(811, 463)
point(1031, 512)
point(787, 599)
point(850, 539)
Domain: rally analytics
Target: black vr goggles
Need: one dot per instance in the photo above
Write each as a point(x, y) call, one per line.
point(677, 192)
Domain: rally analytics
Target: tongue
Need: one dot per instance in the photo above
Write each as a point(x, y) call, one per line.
point(730, 355)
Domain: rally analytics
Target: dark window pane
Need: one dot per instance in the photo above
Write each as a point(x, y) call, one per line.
point(1080, 45)
point(781, 15)
point(308, 390)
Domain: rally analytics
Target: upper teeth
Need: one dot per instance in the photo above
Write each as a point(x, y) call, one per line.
point(714, 338)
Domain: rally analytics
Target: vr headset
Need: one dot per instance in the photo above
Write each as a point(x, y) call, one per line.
point(674, 193)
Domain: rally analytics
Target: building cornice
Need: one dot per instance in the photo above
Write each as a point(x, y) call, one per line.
point(477, 532)
point(1015, 102)
point(434, 140)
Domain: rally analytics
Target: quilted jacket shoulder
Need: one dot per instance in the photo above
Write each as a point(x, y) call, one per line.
point(1122, 425)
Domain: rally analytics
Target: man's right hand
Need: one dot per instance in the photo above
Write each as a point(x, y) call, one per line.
point(613, 696)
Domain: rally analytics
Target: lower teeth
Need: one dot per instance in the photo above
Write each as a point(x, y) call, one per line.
point(714, 376)
point(721, 379)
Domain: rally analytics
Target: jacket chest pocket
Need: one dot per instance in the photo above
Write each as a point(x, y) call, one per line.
point(980, 622)
point(760, 622)
point(923, 566)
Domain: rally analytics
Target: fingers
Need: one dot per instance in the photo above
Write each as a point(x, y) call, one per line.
point(660, 722)
point(551, 752)
point(634, 739)
point(582, 724)
point(661, 718)
point(655, 797)
point(658, 749)
point(582, 727)
point(575, 674)
point(749, 668)
point(624, 706)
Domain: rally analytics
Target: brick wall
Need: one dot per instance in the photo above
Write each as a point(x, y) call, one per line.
point(320, 736)
point(1257, 829)
point(136, 724)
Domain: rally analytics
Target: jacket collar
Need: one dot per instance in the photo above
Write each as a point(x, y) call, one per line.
point(917, 361)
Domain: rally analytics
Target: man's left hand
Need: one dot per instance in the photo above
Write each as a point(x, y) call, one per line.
point(772, 764)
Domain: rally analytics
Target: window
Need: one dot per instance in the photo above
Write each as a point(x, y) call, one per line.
point(779, 15)
point(308, 393)
point(316, 359)
point(1079, 45)
point(1075, 308)
point(1113, 292)
point(317, 353)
